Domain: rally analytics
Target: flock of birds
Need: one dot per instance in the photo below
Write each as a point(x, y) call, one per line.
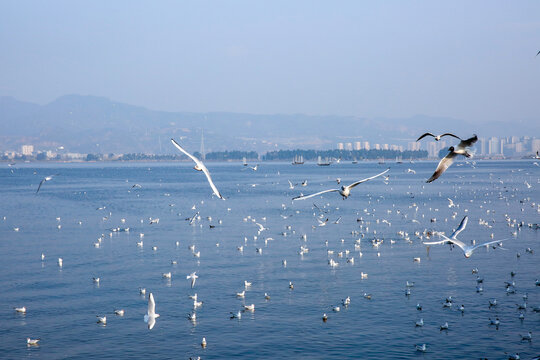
point(321, 215)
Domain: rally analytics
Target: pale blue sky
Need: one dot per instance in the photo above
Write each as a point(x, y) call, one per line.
point(473, 60)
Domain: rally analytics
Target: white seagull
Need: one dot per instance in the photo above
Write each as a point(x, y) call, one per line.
point(446, 161)
point(467, 250)
point(193, 276)
point(345, 191)
point(151, 316)
point(199, 166)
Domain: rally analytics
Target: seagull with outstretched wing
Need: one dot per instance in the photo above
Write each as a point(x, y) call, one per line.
point(437, 137)
point(199, 166)
point(460, 149)
point(344, 191)
point(45, 179)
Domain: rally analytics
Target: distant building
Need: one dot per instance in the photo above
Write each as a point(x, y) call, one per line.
point(413, 146)
point(535, 145)
point(358, 145)
point(482, 144)
point(432, 149)
point(377, 147)
point(366, 145)
point(27, 149)
point(340, 146)
point(349, 146)
point(493, 146)
point(385, 147)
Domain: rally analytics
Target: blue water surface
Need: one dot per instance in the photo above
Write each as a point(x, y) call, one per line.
point(91, 199)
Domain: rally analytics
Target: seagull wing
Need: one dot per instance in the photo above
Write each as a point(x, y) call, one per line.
point(214, 188)
point(468, 142)
point(151, 322)
point(443, 165)
point(460, 228)
point(261, 228)
point(302, 197)
point(423, 136)
point(151, 306)
point(455, 242)
point(202, 167)
point(449, 134)
point(488, 243)
point(440, 242)
point(40, 183)
point(367, 179)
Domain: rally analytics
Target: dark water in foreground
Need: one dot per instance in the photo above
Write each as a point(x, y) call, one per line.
point(62, 303)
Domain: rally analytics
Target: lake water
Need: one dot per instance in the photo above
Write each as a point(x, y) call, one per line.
point(62, 303)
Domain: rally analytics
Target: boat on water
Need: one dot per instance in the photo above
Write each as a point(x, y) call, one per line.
point(355, 161)
point(244, 160)
point(298, 160)
point(381, 161)
point(321, 162)
point(399, 160)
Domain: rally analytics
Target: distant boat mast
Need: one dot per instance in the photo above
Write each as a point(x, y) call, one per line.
point(203, 154)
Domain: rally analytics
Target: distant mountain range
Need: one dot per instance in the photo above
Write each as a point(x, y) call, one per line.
point(90, 124)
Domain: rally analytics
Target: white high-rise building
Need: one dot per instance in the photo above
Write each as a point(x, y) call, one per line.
point(366, 145)
point(340, 146)
point(27, 149)
point(358, 145)
point(349, 146)
point(493, 146)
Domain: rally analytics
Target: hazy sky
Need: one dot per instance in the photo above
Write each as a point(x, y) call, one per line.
point(473, 60)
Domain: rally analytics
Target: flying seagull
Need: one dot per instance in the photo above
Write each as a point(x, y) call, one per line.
point(467, 250)
point(345, 191)
point(151, 316)
point(437, 137)
point(452, 153)
point(199, 166)
point(46, 178)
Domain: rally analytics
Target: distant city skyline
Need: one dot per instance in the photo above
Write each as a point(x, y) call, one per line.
point(467, 60)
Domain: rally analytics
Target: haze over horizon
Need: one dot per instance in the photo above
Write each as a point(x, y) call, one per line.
point(470, 61)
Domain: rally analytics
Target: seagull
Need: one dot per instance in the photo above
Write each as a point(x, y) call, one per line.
point(238, 315)
point(199, 166)
point(527, 337)
point(437, 137)
point(193, 276)
point(102, 320)
point(119, 312)
point(32, 342)
point(151, 316)
point(467, 250)
point(46, 178)
point(422, 348)
point(445, 162)
point(345, 191)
